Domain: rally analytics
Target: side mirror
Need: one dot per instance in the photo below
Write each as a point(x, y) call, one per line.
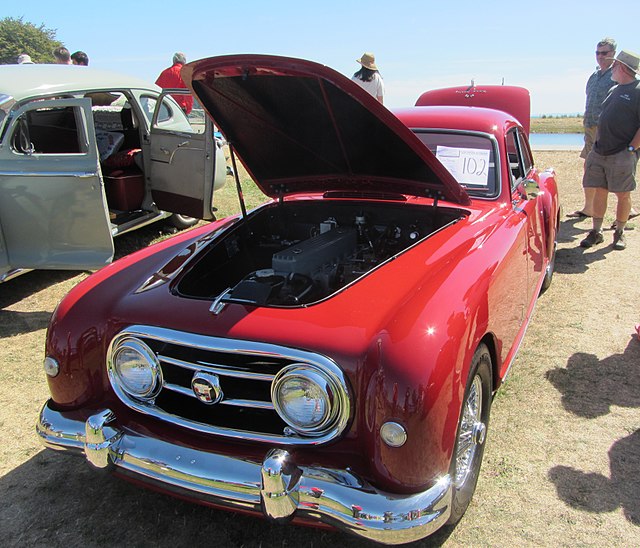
point(531, 187)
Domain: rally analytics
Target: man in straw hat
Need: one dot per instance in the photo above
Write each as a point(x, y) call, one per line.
point(611, 164)
point(368, 77)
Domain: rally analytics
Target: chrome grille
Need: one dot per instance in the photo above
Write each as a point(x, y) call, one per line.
point(245, 370)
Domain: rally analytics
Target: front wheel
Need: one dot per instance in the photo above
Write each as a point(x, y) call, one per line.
point(182, 221)
point(471, 435)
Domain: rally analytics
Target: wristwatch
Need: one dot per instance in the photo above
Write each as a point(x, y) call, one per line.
point(631, 149)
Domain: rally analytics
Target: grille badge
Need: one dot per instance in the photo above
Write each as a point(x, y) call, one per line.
point(206, 387)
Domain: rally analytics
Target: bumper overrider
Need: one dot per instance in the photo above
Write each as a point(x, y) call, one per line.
point(275, 487)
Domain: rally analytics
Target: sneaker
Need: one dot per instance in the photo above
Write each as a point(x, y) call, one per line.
point(594, 237)
point(619, 241)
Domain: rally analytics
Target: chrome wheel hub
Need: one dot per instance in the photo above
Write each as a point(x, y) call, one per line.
point(472, 433)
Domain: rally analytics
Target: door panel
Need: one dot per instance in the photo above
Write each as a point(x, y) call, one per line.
point(183, 161)
point(52, 203)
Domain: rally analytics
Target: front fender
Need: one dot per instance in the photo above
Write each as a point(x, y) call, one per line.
point(422, 363)
point(550, 205)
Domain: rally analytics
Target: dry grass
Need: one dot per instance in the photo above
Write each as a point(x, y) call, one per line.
point(563, 452)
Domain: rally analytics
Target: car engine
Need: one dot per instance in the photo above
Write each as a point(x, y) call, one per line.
point(290, 259)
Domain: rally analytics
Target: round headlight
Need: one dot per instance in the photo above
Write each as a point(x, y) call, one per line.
point(136, 368)
point(304, 398)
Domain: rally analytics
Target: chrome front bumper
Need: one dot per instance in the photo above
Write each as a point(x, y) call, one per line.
point(276, 487)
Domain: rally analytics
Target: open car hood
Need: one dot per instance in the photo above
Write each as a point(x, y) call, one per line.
point(299, 127)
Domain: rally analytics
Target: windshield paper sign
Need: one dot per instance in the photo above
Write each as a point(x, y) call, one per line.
point(469, 166)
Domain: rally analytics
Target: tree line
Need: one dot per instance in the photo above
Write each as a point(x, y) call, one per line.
point(18, 36)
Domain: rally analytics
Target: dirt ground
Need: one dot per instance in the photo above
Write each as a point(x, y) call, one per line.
point(562, 465)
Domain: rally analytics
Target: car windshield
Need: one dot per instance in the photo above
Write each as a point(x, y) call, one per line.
point(470, 158)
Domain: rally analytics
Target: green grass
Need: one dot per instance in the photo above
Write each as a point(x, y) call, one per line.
point(226, 199)
point(570, 124)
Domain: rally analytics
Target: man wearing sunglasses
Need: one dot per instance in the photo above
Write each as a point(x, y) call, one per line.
point(598, 86)
point(611, 164)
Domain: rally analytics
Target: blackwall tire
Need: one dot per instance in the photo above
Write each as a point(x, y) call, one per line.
point(548, 275)
point(471, 433)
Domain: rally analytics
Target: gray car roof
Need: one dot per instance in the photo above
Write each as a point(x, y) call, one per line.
point(25, 81)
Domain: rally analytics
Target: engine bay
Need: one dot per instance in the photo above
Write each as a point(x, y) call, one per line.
point(296, 253)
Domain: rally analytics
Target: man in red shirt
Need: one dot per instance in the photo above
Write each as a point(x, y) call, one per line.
point(170, 79)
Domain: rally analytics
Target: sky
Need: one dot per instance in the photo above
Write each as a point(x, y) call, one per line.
point(418, 44)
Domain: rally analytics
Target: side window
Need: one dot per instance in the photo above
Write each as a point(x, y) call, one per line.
point(170, 116)
point(197, 118)
point(513, 153)
point(148, 105)
point(527, 159)
point(117, 126)
point(49, 131)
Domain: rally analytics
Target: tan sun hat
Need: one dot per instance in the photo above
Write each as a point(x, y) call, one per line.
point(629, 59)
point(368, 60)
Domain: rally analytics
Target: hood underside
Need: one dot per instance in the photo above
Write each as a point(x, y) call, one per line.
point(302, 127)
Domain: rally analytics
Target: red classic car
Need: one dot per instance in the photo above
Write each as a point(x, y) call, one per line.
point(330, 356)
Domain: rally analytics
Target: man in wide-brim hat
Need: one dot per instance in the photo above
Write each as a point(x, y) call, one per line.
point(611, 164)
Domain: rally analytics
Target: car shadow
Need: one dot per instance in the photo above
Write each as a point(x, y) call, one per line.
point(14, 323)
point(13, 291)
point(589, 387)
point(29, 283)
point(58, 499)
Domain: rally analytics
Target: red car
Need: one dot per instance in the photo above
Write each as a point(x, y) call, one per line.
point(330, 356)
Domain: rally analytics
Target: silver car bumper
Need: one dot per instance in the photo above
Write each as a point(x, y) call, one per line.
point(276, 487)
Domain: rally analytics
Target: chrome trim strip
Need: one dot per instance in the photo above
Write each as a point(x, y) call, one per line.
point(139, 222)
point(255, 404)
point(217, 369)
point(14, 273)
point(249, 349)
point(276, 487)
point(76, 174)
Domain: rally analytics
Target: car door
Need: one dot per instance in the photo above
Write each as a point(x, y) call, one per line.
point(185, 161)
point(53, 211)
point(524, 193)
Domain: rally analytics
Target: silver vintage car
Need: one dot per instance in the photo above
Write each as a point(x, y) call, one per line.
point(86, 155)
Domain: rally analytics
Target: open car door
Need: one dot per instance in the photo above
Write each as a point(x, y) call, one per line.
point(53, 211)
point(186, 164)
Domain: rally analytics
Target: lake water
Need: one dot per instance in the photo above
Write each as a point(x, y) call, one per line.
point(556, 141)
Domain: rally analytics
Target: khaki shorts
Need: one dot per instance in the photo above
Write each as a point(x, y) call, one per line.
point(589, 138)
point(616, 172)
